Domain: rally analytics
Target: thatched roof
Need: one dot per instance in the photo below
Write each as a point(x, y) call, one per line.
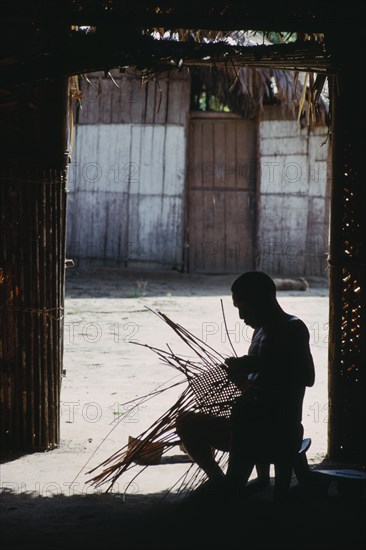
point(53, 51)
point(246, 90)
point(46, 40)
point(243, 89)
point(303, 15)
point(43, 42)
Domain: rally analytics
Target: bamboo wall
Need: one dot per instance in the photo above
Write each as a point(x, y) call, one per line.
point(347, 308)
point(32, 230)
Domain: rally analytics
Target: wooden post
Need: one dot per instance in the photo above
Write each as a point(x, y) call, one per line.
point(347, 362)
point(32, 256)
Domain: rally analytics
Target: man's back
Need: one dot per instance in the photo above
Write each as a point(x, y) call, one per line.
point(283, 347)
point(285, 364)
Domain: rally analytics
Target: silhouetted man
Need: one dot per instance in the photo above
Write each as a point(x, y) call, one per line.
point(265, 424)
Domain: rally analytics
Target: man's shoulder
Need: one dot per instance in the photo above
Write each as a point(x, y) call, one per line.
point(290, 326)
point(294, 320)
point(296, 325)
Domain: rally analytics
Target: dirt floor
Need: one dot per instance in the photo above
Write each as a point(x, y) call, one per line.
point(46, 500)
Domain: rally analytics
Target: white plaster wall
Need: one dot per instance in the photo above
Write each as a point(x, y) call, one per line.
point(292, 228)
point(126, 193)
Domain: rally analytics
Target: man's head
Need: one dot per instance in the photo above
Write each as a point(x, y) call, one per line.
point(254, 294)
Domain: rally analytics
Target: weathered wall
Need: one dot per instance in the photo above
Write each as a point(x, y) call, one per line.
point(126, 189)
point(293, 201)
point(127, 183)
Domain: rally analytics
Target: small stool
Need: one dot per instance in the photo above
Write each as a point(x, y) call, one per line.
point(350, 482)
point(284, 468)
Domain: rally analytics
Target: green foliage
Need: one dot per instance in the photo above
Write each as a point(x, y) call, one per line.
point(211, 103)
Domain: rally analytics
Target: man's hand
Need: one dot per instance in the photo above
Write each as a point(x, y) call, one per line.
point(240, 367)
point(236, 370)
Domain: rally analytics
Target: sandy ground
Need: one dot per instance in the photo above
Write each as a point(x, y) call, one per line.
point(106, 310)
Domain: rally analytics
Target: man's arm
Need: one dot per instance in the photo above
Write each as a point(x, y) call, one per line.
point(288, 359)
point(240, 367)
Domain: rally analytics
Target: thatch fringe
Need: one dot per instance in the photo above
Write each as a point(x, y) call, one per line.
point(246, 90)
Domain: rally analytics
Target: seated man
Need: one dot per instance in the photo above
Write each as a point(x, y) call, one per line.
point(265, 424)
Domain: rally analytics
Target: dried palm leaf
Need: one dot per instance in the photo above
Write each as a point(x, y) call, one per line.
point(302, 99)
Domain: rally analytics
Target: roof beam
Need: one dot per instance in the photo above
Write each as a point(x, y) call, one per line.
point(76, 52)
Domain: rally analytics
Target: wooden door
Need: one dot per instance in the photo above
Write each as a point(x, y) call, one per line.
point(221, 194)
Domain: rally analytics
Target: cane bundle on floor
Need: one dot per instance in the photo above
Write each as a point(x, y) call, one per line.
point(209, 391)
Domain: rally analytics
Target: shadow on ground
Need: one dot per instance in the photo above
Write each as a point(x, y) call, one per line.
point(148, 522)
point(131, 283)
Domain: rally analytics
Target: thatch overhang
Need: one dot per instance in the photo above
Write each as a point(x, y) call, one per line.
point(246, 90)
point(308, 17)
point(76, 52)
point(43, 40)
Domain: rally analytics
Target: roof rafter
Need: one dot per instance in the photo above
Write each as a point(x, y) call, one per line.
point(76, 52)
